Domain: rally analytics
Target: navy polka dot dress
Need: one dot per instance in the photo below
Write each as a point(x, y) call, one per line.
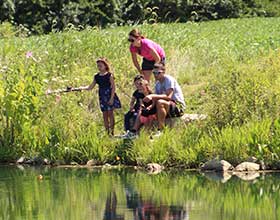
point(104, 92)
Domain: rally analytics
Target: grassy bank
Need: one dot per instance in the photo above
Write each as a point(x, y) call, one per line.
point(229, 70)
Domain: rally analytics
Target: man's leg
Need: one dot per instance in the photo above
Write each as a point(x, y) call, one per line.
point(162, 111)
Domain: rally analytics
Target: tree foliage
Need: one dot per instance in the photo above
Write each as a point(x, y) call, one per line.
point(43, 16)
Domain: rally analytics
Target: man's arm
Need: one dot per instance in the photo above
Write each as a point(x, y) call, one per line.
point(167, 96)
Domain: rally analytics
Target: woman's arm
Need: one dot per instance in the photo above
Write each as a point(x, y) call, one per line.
point(135, 62)
point(155, 55)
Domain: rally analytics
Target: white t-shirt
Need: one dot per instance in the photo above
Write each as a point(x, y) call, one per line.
point(170, 82)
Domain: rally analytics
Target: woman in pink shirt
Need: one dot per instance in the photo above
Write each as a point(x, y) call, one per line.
point(150, 51)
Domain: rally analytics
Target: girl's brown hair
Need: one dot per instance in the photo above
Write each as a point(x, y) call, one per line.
point(135, 33)
point(105, 62)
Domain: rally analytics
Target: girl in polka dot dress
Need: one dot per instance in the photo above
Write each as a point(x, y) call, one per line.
point(108, 99)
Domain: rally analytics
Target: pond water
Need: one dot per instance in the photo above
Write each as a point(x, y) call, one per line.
point(125, 194)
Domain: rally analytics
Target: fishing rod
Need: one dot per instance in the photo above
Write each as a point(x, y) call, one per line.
point(67, 89)
point(72, 89)
point(124, 93)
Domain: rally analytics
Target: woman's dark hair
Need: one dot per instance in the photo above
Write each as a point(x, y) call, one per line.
point(138, 77)
point(136, 33)
point(146, 83)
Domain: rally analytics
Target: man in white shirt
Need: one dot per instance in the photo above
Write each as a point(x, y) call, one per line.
point(168, 97)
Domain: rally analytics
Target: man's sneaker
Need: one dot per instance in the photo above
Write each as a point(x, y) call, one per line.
point(129, 135)
point(157, 134)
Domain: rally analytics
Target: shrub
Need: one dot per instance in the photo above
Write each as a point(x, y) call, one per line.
point(46, 16)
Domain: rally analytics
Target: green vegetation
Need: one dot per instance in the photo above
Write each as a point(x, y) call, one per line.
point(44, 16)
point(229, 70)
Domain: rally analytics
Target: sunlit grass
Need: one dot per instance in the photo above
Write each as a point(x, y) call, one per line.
point(228, 69)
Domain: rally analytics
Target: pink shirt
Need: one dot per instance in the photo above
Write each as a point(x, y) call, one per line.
point(146, 46)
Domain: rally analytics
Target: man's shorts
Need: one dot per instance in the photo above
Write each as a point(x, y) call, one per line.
point(175, 110)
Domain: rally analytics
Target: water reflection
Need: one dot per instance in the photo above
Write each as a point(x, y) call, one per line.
point(129, 195)
point(145, 209)
point(110, 208)
point(142, 209)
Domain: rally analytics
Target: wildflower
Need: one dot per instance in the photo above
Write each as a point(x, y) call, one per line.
point(48, 92)
point(28, 54)
point(118, 158)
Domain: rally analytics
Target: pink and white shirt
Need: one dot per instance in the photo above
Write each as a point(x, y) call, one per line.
point(146, 46)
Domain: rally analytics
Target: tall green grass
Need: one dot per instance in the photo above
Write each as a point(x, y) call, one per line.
point(228, 69)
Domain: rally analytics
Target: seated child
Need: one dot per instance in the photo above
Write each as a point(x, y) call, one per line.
point(145, 112)
point(135, 103)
